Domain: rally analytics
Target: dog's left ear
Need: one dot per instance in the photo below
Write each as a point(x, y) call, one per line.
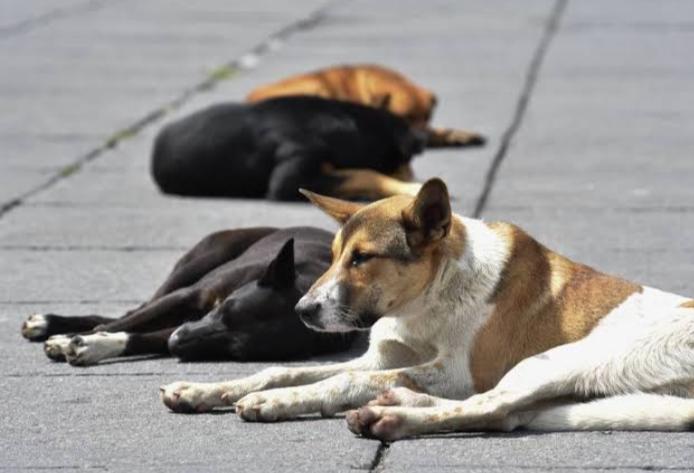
point(428, 218)
point(281, 273)
point(382, 102)
point(340, 210)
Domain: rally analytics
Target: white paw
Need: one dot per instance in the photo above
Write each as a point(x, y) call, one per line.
point(85, 350)
point(384, 423)
point(35, 327)
point(270, 406)
point(56, 346)
point(190, 398)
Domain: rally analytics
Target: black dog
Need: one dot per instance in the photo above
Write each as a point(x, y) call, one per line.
point(271, 148)
point(232, 296)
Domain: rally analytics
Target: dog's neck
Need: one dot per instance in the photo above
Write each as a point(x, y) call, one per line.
point(459, 292)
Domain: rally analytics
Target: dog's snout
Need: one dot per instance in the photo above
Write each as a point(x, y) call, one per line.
point(308, 309)
point(174, 342)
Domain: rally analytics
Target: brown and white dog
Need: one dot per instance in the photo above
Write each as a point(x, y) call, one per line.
point(513, 334)
point(375, 86)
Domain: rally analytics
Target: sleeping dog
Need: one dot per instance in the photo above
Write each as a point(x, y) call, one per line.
point(271, 148)
point(376, 86)
point(232, 296)
point(510, 332)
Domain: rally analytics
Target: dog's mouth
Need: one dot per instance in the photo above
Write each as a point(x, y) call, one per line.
point(343, 321)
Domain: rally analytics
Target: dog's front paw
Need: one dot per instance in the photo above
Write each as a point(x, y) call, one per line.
point(35, 327)
point(56, 346)
point(191, 398)
point(86, 350)
point(382, 423)
point(269, 406)
point(465, 138)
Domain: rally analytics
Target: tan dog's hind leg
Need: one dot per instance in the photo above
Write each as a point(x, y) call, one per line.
point(370, 184)
point(450, 138)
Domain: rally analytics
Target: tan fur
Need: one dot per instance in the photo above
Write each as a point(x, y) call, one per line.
point(543, 300)
point(688, 304)
point(366, 84)
point(394, 276)
point(372, 184)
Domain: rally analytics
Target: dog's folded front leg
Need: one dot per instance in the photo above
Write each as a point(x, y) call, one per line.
point(336, 394)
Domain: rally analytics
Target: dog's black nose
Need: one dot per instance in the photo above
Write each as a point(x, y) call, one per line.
point(308, 310)
point(174, 342)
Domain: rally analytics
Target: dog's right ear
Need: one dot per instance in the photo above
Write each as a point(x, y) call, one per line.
point(382, 102)
point(281, 273)
point(340, 210)
point(429, 216)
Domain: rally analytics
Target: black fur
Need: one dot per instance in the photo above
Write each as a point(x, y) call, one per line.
point(232, 296)
point(271, 148)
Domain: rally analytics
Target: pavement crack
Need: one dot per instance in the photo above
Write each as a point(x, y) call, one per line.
point(377, 464)
point(30, 24)
point(551, 27)
point(223, 72)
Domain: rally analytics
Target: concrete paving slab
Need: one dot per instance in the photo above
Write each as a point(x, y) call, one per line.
point(176, 226)
point(544, 452)
point(97, 275)
point(585, 174)
point(104, 422)
point(63, 71)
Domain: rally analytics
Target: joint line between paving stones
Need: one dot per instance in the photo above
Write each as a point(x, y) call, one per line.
point(226, 71)
point(522, 105)
point(377, 465)
point(30, 24)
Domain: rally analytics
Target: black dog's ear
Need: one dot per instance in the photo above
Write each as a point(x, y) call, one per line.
point(428, 218)
point(281, 273)
point(382, 102)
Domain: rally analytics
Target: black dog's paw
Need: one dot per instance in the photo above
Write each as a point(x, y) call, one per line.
point(35, 327)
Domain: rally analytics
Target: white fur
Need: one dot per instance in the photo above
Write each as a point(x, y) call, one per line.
point(56, 346)
point(34, 326)
point(428, 341)
point(85, 350)
point(625, 412)
point(646, 344)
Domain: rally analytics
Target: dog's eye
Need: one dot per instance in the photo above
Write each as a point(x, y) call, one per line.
point(358, 258)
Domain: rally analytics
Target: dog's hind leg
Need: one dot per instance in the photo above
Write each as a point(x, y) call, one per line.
point(170, 310)
point(639, 411)
point(364, 183)
point(452, 138)
point(211, 252)
point(39, 327)
point(86, 350)
point(657, 357)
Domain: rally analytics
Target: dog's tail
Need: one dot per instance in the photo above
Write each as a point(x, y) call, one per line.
point(625, 412)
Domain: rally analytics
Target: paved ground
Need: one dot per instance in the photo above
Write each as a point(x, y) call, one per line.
point(587, 105)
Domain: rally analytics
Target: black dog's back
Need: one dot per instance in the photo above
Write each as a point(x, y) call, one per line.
point(233, 149)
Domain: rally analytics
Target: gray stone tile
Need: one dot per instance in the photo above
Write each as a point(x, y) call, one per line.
point(544, 452)
point(105, 422)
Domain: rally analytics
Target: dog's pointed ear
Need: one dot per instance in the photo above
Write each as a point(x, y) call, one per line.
point(428, 217)
point(383, 102)
point(340, 210)
point(280, 273)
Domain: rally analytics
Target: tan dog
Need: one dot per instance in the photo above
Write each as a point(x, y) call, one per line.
point(510, 332)
point(375, 86)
